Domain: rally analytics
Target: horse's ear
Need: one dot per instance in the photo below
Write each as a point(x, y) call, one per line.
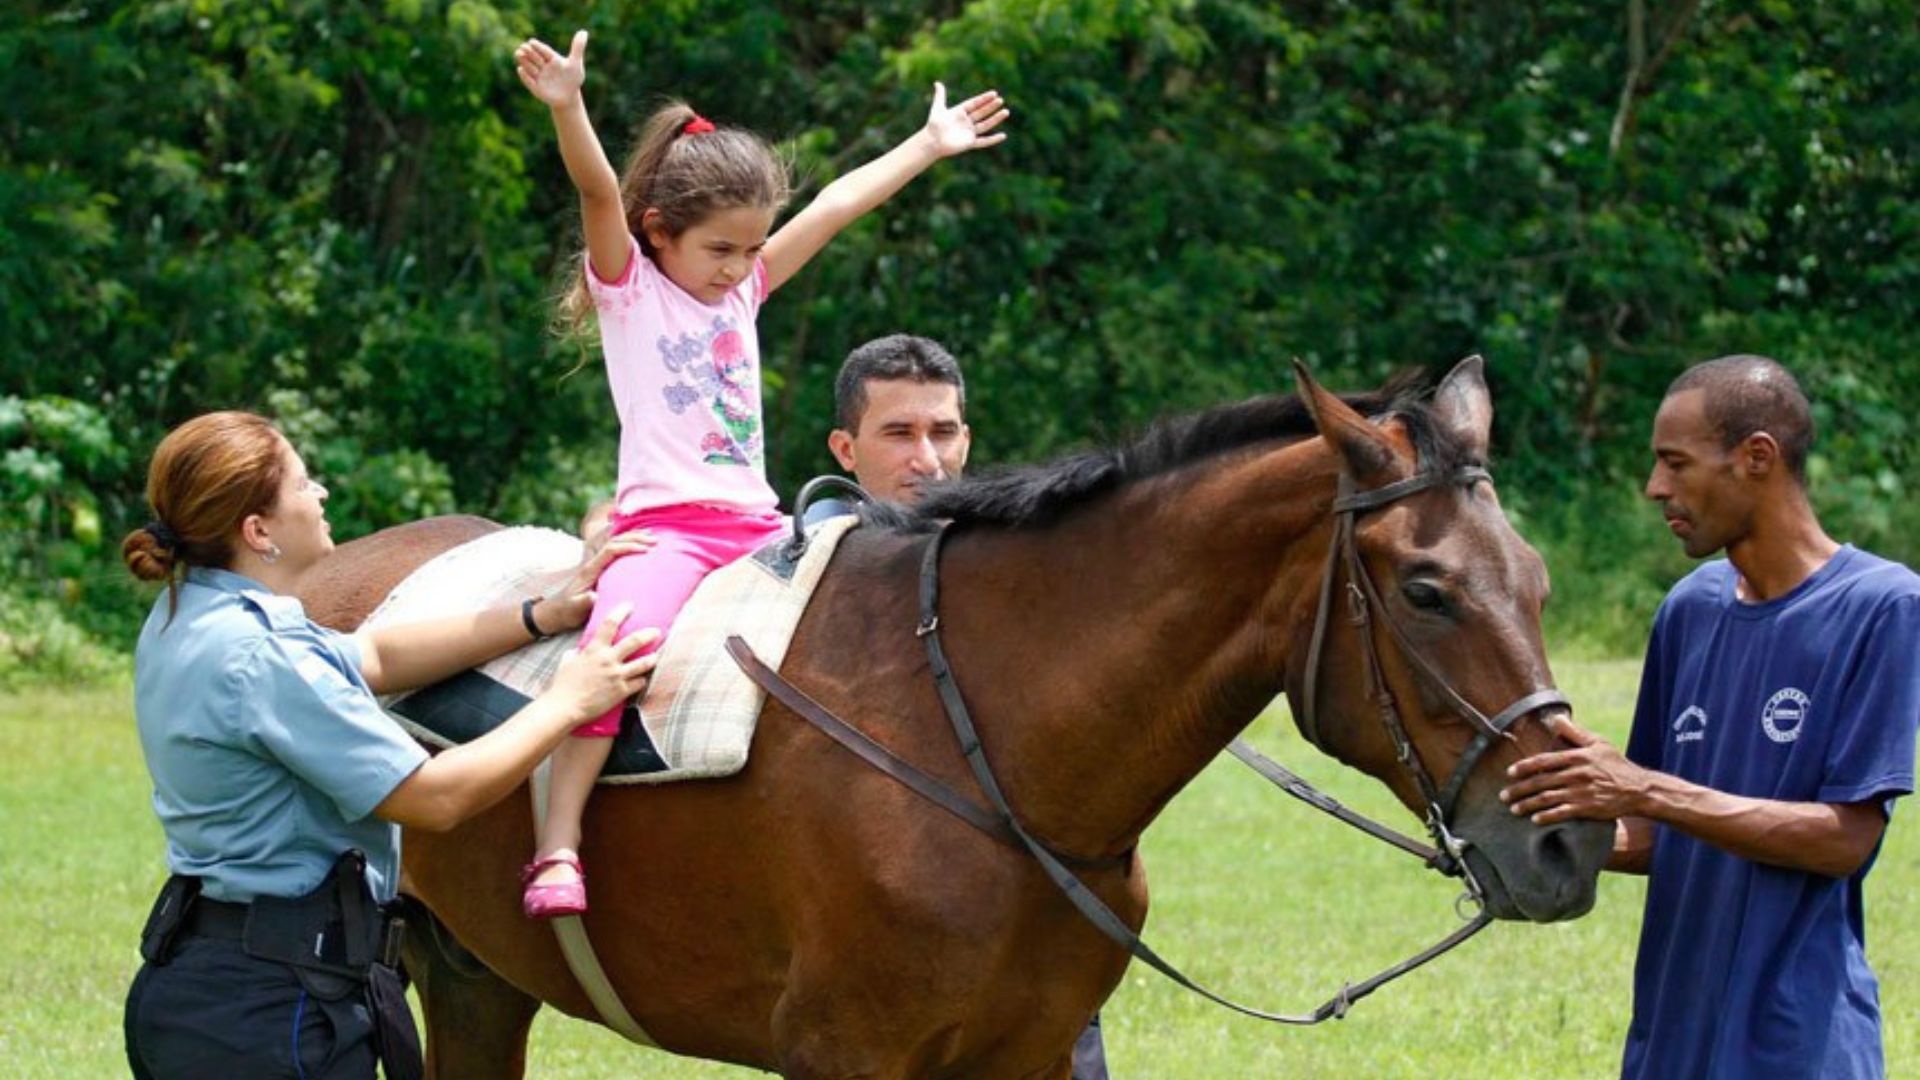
point(1463, 407)
point(1371, 460)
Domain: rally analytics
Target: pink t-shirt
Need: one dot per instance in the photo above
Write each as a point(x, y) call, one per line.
point(685, 377)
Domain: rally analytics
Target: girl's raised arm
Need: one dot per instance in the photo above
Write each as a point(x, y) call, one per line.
point(948, 131)
point(556, 80)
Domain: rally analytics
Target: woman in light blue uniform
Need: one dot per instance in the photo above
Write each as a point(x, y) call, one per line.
point(279, 783)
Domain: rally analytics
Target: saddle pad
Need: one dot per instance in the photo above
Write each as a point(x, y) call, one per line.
point(697, 716)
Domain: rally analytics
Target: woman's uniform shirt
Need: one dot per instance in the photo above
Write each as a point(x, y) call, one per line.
point(267, 749)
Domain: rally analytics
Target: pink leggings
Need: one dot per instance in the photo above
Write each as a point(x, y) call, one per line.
point(689, 543)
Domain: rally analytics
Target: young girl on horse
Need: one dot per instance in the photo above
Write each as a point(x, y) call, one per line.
point(677, 263)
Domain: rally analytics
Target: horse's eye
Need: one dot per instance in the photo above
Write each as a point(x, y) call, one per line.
point(1425, 597)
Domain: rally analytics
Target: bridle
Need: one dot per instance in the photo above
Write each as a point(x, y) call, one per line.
point(1447, 855)
point(1363, 599)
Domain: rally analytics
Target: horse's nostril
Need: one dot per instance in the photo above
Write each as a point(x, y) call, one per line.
point(1553, 852)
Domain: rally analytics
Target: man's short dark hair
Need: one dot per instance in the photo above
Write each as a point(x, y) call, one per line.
point(1748, 394)
point(896, 356)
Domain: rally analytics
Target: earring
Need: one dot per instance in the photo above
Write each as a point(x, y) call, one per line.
point(271, 555)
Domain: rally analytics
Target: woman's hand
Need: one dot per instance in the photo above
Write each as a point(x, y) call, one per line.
point(600, 676)
point(552, 78)
point(569, 610)
point(965, 126)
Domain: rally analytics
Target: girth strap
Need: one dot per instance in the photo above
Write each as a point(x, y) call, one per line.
point(576, 947)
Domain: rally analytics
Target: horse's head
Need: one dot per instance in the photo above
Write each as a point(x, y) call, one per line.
point(1432, 602)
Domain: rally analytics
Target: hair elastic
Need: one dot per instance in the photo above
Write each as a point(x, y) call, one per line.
point(162, 534)
point(699, 125)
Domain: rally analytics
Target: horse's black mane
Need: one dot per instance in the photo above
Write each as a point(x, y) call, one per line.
point(1036, 495)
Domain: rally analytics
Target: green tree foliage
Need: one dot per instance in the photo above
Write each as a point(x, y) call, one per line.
point(350, 215)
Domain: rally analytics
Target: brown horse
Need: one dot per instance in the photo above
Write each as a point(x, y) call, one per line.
point(1114, 619)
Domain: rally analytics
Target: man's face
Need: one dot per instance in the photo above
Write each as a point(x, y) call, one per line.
point(910, 434)
point(1699, 485)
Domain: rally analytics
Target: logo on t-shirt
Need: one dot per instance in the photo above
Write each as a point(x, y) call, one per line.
point(1786, 710)
point(716, 370)
point(1691, 726)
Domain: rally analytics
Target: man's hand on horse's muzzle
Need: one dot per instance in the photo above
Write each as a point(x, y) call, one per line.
point(1593, 780)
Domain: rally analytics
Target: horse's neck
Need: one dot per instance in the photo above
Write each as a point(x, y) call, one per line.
point(1111, 657)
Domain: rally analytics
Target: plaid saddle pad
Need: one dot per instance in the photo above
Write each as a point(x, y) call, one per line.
point(696, 718)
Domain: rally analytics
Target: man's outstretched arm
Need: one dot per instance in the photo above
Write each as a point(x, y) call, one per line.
point(1595, 781)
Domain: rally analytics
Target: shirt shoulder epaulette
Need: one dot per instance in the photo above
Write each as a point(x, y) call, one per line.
point(278, 612)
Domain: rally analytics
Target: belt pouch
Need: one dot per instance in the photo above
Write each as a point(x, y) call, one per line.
point(305, 934)
point(325, 935)
point(394, 1035)
point(169, 914)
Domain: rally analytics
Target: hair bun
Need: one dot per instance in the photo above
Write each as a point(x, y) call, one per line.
point(146, 556)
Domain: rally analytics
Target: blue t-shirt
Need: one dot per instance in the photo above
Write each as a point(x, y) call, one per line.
point(1748, 970)
point(267, 750)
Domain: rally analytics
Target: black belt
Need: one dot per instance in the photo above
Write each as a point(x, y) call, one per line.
point(224, 920)
point(180, 911)
point(215, 919)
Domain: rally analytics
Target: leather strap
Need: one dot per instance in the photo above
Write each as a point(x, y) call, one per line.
point(576, 947)
point(1310, 706)
point(1291, 783)
point(220, 919)
point(1350, 501)
point(885, 760)
point(1463, 768)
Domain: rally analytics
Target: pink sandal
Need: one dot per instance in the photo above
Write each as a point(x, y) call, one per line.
point(557, 898)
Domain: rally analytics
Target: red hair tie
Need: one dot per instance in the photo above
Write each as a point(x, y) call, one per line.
point(699, 125)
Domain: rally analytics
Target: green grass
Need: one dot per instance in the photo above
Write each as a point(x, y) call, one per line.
point(1253, 894)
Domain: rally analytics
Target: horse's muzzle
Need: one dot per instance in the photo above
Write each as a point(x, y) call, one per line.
point(1533, 872)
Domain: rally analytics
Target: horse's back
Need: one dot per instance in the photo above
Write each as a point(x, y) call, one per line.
point(344, 588)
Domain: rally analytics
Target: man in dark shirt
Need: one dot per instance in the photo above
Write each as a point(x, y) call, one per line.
point(1774, 730)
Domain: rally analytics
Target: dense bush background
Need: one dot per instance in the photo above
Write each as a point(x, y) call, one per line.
point(351, 216)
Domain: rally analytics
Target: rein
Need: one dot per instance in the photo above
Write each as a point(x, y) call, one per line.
point(1447, 854)
point(870, 751)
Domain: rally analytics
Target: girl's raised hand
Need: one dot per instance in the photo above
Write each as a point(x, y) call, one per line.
point(965, 126)
point(552, 78)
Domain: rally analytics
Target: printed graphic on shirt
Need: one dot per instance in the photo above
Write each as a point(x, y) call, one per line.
point(1691, 726)
point(714, 373)
point(1786, 710)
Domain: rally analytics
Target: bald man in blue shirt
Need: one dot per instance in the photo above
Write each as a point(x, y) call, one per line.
point(1775, 729)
